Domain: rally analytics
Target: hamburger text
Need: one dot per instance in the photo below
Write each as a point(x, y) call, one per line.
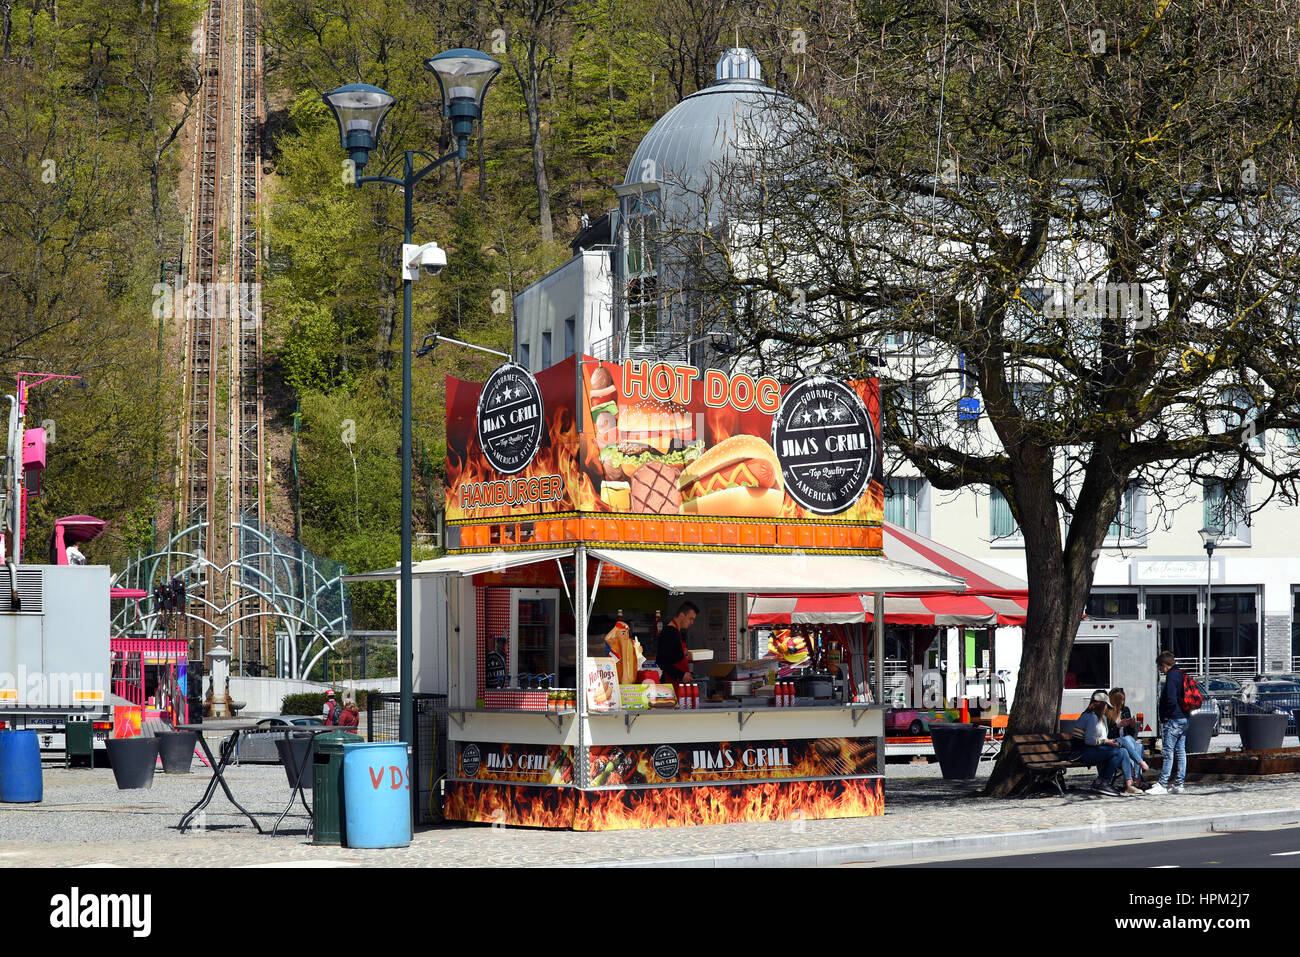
point(512, 491)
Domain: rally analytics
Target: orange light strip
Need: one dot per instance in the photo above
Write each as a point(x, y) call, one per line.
point(673, 532)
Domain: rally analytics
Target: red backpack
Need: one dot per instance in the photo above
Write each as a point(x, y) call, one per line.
point(1191, 698)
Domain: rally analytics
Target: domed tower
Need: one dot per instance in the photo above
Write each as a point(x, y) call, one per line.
point(676, 183)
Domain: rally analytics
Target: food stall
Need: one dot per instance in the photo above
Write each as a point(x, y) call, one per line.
point(585, 506)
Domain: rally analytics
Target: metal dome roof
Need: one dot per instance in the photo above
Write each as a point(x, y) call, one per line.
point(715, 126)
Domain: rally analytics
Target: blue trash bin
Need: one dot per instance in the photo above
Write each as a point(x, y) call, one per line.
point(376, 795)
point(20, 768)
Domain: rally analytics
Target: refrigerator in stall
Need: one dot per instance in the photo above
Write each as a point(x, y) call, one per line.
point(534, 632)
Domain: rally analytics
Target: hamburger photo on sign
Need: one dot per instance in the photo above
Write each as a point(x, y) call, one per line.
point(643, 445)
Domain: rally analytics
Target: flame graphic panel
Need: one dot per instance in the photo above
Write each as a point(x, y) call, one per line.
point(626, 809)
point(725, 760)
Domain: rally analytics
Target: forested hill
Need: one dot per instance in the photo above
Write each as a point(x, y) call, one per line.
point(96, 127)
point(582, 83)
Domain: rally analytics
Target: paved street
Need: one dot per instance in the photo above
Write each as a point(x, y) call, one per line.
point(1271, 848)
point(85, 821)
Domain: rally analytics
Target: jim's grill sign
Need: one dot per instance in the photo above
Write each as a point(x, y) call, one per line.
point(825, 441)
point(510, 419)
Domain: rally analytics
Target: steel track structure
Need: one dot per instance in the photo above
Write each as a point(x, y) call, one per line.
point(222, 433)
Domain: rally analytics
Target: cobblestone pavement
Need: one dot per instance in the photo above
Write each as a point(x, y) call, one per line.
point(84, 821)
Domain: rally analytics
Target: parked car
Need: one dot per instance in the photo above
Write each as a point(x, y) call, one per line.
point(1221, 692)
point(259, 747)
point(916, 722)
point(1271, 695)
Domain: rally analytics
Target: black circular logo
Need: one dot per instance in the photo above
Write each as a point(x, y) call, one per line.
point(666, 762)
point(470, 760)
point(510, 419)
point(826, 443)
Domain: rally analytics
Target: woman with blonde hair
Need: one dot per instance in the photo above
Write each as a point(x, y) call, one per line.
point(1122, 728)
point(1103, 751)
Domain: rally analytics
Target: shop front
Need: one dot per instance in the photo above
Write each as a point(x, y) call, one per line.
point(592, 506)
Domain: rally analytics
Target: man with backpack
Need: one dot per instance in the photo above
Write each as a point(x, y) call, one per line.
point(1179, 698)
point(331, 712)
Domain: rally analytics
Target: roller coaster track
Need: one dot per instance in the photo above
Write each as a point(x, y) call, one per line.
point(221, 443)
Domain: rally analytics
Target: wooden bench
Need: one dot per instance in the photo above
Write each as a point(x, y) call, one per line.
point(1046, 757)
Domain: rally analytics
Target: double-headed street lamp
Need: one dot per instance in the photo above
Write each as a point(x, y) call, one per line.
point(1209, 537)
point(463, 77)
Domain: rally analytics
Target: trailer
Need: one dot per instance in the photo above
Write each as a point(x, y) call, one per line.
point(1114, 654)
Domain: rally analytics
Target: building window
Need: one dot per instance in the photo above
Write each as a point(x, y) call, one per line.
point(1226, 506)
point(568, 337)
point(523, 355)
point(906, 502)
point(1130, 523)
point(1111, 605)
point(1002, 524)
point(546, 350)
point(642, 254)
point(1243, 414)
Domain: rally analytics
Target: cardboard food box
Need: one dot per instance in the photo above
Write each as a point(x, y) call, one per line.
point(634, 697)
point(700, 654)
point(602, 684)
point(662, 695)
point(721, 670)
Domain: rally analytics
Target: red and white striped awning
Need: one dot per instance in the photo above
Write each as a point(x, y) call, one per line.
point(992, 597)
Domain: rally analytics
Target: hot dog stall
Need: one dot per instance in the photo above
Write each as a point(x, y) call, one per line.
point(585, 506)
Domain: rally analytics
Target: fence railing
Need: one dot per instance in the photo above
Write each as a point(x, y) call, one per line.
point(1239, 669)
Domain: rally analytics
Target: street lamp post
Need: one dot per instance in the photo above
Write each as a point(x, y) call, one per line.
point(1210, 538)
point(463, 77)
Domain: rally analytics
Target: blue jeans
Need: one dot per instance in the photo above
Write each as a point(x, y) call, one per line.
point(1108, 760)
point(1134, 748)
point(1174, 738)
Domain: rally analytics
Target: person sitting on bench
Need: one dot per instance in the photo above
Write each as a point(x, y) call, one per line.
point(1103, 751)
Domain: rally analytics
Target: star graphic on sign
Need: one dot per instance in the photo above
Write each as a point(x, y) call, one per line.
point(807, 416)
point(821, 413)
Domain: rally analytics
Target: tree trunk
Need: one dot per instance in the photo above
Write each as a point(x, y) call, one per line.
point(532, 97)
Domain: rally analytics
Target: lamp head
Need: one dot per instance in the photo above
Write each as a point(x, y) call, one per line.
point(463, 77)
point(359, 109)
point(1210, 538)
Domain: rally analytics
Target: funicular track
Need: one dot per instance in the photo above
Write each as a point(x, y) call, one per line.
point(222, 431)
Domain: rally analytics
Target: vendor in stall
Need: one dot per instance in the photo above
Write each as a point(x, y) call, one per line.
point(672, 658)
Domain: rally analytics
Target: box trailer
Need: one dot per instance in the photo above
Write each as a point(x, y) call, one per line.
point(54, 648)
point(1110, 654)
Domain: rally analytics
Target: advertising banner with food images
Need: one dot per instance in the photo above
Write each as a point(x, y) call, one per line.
point(661, 439)
point(512, 443)
point(656, 439)
point(526, 763)
point(611, 766)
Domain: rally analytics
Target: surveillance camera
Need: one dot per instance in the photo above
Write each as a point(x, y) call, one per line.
point(433, 259)
point(430, 257)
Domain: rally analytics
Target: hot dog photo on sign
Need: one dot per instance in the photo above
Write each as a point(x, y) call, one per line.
point(670, 440)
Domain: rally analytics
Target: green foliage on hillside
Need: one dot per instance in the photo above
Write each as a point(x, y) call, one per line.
point(596, 73)
point(92, 96)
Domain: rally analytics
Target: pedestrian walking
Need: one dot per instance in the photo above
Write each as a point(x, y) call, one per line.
point(1173, 769)
point(349, 718)
point(331, 713)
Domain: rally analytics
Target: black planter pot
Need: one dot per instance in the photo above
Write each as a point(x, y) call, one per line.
point(1200, 728)
point(301, 758)
point(958, 748)
point(133, 761)
point(176, 748)
point(1259, 732)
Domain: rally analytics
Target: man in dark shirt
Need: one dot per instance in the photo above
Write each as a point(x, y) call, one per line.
point(671, 657)
point(1174, 732)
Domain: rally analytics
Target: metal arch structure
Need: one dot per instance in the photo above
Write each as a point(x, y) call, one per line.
point(274, 579)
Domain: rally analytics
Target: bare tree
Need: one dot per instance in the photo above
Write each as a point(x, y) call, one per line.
point(1084, 221)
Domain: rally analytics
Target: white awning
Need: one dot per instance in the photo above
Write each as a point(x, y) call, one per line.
point(465, 565)
point(775, 574)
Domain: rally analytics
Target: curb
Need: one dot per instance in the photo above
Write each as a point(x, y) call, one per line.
point(973, 845)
